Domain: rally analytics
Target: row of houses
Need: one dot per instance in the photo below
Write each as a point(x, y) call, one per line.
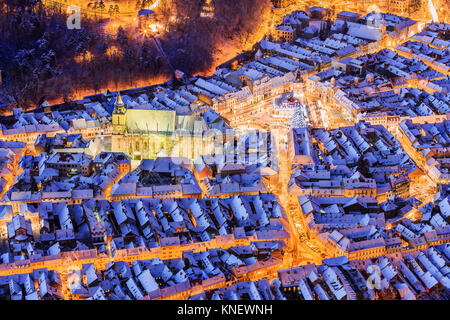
point(148, 279)
point(46, 228)
point(428, 145)
point(64, 176)
point(360, 160)
point(420, 275)
point(384, 87)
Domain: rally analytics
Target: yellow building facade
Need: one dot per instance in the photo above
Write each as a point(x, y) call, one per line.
point(147, 134)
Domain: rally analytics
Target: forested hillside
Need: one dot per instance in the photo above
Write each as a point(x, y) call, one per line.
point(41, 59)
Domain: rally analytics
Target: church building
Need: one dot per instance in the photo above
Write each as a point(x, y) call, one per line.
point(145, 133)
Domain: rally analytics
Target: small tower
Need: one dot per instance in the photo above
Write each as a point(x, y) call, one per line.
point(119, 116)
point(119, 106)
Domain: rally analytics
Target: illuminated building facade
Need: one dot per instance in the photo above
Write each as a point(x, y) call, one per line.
point(145, 133)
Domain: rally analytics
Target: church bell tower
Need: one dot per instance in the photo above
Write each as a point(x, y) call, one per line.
point(119, 116)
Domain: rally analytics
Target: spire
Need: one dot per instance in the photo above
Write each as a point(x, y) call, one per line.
point(119, 102)
point(119, 106)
